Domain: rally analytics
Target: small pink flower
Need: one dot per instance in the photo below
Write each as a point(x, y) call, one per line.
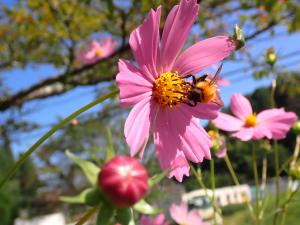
point(181, 215)
point(223, 82)
point(271, 123)
point(156, 88)
point(158, 220)
point(98, 50)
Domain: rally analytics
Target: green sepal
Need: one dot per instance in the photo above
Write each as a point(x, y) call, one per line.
point(77, 199)
point(145, 208)
point(89, 169)
point(123, 215)
point(106, 214)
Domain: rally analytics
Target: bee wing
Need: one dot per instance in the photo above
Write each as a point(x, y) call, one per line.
point(216, 76)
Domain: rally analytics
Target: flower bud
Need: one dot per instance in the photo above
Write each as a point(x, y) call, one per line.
point(271, 56)
point(123, 181)
point(295, 170)
point(296, 127)
point(238, 37)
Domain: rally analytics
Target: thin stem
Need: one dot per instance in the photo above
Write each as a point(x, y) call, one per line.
point(293, 162)
point(24, 156)
point(237, 183)
point(273, 88)
point(277, 184)
point(264, 173)
point(212, 182)
point(198, 177)
point(87, 215)
point(231, 170)
point(254, 164)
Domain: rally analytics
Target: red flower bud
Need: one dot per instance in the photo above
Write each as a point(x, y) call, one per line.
point(123, 181)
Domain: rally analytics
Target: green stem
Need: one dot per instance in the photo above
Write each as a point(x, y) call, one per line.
point(277, 184)
point(198, 177)
point(237, 183)
point(290, 180)
point(254, 163)
point(24, 156)
point(87, 216)
point(212, 182)
point(231, 170)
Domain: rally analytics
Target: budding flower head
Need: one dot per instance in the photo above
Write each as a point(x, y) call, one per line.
point(295, 170)
point(123, 181)
point(238, 37)
point(271, 56)
point(296, 127)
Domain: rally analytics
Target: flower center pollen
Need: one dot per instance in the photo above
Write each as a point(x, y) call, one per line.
point(170, 89)
point(98, 52)
point(250, 121)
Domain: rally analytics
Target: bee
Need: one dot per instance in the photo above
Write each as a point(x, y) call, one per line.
point(204, 90)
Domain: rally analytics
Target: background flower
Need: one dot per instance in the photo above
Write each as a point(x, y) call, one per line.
point(181, 215)
point(246, 125)
point(158, 220)
point(98, 50)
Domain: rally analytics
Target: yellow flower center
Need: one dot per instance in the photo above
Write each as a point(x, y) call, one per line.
point(212, 134)
point(99, 52)
point(170, 89)
point(250, 121)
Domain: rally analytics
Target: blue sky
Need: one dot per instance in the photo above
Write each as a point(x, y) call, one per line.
point(47, 111)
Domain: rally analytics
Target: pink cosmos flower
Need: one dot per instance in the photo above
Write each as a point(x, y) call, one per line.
point(98, 50)
point(271, 123)
point(181, 215)
point(158, 220)
point(157, 89)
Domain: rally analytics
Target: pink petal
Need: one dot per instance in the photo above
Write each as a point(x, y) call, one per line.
point(240, 106)
point(137, 125)
point(261, 131)
point(195, 141)
point(167, 144)
point(108, 47)
point(193, 218)
point(208, 111)
point(133, 87)
point(94, 45)
point(177, 27)
point(227, 123)
point(159, 220)
point(145, 220)
point(245, 134)
point(179, 212)
point(144, 42)
point(277, 121)
point(203, 54)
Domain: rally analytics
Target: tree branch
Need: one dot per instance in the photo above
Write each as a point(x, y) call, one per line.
point(59, 84)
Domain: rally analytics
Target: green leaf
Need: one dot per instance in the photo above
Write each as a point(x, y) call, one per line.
point(89, 169)
point(110, 152)
point(145, 208)
point(105, 215)
point(123, 215)
point(156, 178)
point(77, 199)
